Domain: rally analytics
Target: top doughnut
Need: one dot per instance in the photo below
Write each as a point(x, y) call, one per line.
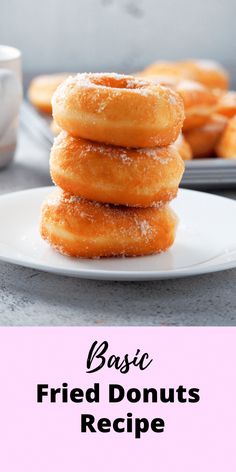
point(118, 110)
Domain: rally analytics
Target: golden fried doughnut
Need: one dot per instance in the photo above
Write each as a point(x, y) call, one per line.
point(209, 73)
point(183, 148)
point(159, 68)
point(135, 177)
point(81, 228)
point(203, 140)
point(227, 104)
point(42, 88)
point(119, 110)
point(227, 144)
point(199, 103)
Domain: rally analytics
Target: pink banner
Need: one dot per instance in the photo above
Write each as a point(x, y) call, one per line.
point(168, 405)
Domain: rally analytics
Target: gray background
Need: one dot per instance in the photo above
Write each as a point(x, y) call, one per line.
point(117, 34)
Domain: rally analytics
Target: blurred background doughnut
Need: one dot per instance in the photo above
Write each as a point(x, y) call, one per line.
point(203, 140)
point(159, 68)
point(209, 73)
point(227, 144)
point(227, 104)
point(199, 103)
point(42, 88)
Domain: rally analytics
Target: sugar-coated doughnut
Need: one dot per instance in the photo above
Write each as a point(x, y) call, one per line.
point(162, 68)
point(122, 176)
point(42, 88)
point(227, 144)
point(119, 110)
point(81, 228)
point(199, 103)
point(204, 140)
point(227, 104)
point(209, 73)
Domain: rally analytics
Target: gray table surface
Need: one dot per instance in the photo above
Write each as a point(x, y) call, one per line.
point(29, 297)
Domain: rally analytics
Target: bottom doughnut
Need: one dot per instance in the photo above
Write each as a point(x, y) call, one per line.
point(80, 228)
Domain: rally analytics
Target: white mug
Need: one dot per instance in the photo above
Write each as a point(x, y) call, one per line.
point(10, 100)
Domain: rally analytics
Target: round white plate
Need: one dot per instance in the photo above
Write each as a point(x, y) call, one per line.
point(206, 241)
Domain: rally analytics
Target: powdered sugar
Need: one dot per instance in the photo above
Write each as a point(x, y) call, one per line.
point(99, 81)
point(172, 99)
point(126, 155)
point(189, 85)
point(145, 227)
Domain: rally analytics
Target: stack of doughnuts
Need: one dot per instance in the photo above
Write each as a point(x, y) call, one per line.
point(115, 167)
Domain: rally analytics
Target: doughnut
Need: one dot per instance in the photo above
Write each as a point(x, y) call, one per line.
point(209, 73)
point(183, 148)
point(122, 176)
point(199, 103)
point(42, 88)
point(227, 144)
point(159, 68)
point(227, 104)
point(81, 228)
point(118, 109)
point(203, 140)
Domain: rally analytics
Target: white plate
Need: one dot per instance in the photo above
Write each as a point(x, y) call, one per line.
point(206, 241)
